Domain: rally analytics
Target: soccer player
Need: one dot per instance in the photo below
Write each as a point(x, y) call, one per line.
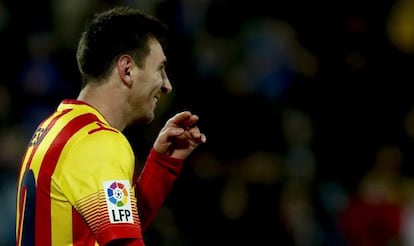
point(78, 184)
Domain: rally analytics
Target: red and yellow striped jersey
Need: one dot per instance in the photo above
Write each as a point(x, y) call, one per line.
point(76, 182)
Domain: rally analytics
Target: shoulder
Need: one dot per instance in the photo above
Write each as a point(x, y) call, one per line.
point(98, 141)
point(98, 137)
point(100, 154)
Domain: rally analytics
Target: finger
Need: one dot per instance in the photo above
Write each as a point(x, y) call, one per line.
point(173, 131)
point(197, 135)
point(190, 121)
point(180, 117)
point(203, 138)
point(195, 132)
point(184, 119)
point(200, 139)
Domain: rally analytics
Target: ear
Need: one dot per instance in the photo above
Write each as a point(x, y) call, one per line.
point(124, 67)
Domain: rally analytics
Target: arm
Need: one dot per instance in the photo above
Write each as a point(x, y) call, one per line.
point(154, 184)
point(176, 140)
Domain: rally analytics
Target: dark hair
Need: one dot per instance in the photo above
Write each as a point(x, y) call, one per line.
point(112, 33)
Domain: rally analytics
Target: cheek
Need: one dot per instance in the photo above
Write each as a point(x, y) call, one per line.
point(147, 88)
point(144, 96)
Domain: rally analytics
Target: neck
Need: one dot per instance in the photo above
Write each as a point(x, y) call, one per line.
point(108, 101)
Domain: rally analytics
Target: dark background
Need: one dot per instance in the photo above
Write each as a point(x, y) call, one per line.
point(343, 67)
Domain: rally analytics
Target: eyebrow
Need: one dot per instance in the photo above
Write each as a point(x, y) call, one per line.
point(163, 63)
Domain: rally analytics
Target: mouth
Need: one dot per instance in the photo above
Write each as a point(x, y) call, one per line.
point(155, 99)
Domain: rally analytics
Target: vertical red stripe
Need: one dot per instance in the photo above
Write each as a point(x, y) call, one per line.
point(50, 125)
point(43, 204)
point(29, 161)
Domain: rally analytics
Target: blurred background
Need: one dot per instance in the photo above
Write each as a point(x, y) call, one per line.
point(308, 107)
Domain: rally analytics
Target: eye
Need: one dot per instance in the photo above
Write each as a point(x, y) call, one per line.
point(162, 67)
point(163, 74)
point(162, 70)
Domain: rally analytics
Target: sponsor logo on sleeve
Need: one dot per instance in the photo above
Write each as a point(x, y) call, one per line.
point(118, 201)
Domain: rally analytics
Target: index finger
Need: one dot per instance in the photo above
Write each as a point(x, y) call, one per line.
point(180, 117)
point(184, 119)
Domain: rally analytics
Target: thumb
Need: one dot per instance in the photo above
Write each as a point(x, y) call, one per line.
point(176, 131)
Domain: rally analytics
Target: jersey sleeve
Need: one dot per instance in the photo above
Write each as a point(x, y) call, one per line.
point(154, 184)
point(97, 181)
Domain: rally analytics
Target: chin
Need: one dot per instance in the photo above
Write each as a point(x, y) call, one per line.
point(144, 119)
point(148, 118)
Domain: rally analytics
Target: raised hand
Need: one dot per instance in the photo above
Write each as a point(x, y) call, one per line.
point(179, 136)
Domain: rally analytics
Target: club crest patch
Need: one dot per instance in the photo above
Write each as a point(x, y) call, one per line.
point(118, 201)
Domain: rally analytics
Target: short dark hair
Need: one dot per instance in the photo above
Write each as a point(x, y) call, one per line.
point(112, 33)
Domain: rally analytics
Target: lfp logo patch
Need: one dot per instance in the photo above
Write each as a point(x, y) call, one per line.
point(118, 201)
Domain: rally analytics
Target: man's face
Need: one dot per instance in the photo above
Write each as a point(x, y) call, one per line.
point(151, 82)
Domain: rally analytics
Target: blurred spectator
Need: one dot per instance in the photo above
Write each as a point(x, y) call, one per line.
point(373, 215)
point(270, 58)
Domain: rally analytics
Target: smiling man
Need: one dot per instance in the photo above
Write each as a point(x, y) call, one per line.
point(78, 184)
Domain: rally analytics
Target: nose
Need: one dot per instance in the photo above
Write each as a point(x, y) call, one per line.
point(166, 86)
